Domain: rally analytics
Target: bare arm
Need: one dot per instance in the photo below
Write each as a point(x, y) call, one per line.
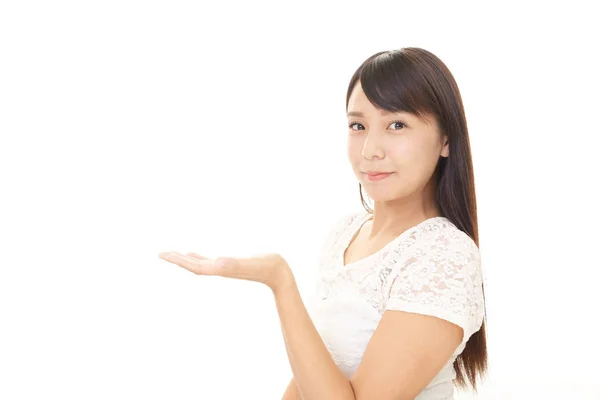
point(406, 351)
point(291, 393)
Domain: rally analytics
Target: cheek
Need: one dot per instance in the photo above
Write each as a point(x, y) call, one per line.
point(418, 162)
point(412, 151)
point(412, 160)
point(354, 150)
point(403, 154)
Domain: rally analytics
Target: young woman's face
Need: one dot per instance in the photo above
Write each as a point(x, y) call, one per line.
point(396, 143)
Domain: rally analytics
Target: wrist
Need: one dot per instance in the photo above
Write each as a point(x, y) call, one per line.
point(284, 281)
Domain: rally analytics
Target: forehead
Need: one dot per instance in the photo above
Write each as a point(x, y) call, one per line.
point(357, 96)
point(359, 106)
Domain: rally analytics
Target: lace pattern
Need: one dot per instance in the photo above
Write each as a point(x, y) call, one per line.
point(440, 275)
point(432, 268)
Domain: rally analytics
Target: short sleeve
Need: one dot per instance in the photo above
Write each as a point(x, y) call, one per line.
point(441, 277)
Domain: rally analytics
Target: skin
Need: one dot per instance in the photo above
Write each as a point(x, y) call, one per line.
point(409, 148)
point(404, 354)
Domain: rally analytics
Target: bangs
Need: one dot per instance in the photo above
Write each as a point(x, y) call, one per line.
point(393, 84)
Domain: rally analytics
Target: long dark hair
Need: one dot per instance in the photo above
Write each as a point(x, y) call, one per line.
point(414, 80)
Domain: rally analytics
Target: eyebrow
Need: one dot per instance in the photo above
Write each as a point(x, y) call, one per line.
point(360, 114)
point(355, 114)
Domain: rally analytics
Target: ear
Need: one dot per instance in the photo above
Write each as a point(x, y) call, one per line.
point(446, 148)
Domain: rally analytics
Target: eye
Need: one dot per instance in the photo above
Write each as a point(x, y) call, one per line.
point(354, 123)
point(398, 124)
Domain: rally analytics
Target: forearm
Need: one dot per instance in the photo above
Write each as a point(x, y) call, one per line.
point(291, 392)
point(315, 373)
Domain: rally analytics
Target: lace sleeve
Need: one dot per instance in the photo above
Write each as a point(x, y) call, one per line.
point(441, 277)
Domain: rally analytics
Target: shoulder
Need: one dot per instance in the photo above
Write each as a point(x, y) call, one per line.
point(447, 253)
point(342, 221)
point(336, 227)
point(441, 238)
point(435, 239)
point(441, 275)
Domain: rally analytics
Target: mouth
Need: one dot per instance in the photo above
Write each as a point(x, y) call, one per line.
point(376, 175)
point(375, 172)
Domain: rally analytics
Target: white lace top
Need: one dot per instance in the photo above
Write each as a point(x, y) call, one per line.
point(432, 268)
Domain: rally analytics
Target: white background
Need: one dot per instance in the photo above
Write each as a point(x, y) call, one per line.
point(131, 128)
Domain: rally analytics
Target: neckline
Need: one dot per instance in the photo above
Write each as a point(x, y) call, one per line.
point(353, 230)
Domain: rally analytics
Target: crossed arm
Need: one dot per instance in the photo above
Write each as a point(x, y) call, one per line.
point(404, 354)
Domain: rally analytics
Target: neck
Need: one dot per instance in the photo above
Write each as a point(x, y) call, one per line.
point(394, 217)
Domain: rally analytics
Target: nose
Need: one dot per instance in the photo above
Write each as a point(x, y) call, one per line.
point(373, 145)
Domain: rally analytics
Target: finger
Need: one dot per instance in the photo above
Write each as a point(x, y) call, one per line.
point(199, 267)
point(196, 255)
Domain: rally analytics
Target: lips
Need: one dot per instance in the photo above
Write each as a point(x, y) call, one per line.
point(376, 173)
point(377, 176)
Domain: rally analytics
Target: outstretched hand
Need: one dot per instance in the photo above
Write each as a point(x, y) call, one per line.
point(270, 269)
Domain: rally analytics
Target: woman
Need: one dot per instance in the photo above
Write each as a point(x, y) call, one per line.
point(400, 306)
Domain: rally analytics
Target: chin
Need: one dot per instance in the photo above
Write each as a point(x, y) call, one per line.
point(383, 189)
point(383, 199)
point(380, 194)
